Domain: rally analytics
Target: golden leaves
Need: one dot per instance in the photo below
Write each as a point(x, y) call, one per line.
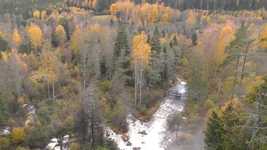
point(122, 6)
point(144, 13)
point(226, 35)
point(213, 42)
point(263, 37)
point(141, 49)
point(60, 33)
point(18, 135)
point(95, 28)
point(191, 18)
point(234, 103)
point(113, 9)
point(16, 38)
point(75, 40)
point(48, 68)
point(36, 14)
point(1, 34)
point(35, 35)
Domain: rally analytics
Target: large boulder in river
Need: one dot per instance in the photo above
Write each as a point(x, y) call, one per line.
point(143, 132)
point(125, 137)
point(129, 143)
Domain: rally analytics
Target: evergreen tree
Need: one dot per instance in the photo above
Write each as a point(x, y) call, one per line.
point(154, 41)
point(3, 44)
point(194, 38)
point(227, 131)
point(89, 120)
point(233, 117)
point(121, 56)
point(259, 133)
point(153, 75)
point(214, 132)
point(238, 52)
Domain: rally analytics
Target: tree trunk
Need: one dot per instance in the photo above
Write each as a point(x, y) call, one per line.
point(53, 90)
point(244, 62)
point(135, 83)
point(141, 85)
point(236, 76)
point(48, 90)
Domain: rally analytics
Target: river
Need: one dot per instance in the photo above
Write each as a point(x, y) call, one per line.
point(152, 135)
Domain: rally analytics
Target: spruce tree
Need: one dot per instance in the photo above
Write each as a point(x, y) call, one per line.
point(3, 44)
point(214, 132)
point(259, 132)
point(153, 75)
point(121, 55)
point(234, 119)
point(154, 41)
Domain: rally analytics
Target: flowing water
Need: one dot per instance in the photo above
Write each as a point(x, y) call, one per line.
point(151, 135)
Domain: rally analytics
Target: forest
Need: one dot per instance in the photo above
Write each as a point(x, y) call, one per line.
point(133, 75)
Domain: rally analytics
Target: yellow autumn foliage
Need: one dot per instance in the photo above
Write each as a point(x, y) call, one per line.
point(35, 35)
point(48, 69)
point(191, 18)
point(263, 37)
point(1, 34)
point(75, 40)
point(126, 7)
point(43, 14)
point(144, 13)
point(113, 9)
point(16, 38)
point(60, 34)
point(234, 103)
point(18, 135)
point(5, 56)
point(141, 49)
point(250, 83)
point(213, 42)
point(36, 14)
point(95, 28)
point(226, 35)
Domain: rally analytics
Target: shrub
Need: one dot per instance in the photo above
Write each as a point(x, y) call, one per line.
point(21, 148)
point(75, 146)
point(4, 143)
point(105, 85)
point(18, 135)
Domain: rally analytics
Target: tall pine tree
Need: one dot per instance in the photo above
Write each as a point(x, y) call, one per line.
point(214, 132)
point(259, 133)
point(153, 75)
point(121, 55)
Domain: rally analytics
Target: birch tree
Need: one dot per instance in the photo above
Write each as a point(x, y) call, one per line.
point(141, 55)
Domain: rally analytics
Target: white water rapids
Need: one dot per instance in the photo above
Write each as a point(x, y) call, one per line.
point(151, 135)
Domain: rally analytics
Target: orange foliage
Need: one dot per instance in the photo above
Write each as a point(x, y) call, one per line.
point(36, 14)
point(35, 35)
point(125, 7)
point(213, 42)
point(16, 38)
point(191, 18)
point(60, 34)
point(141, 49)
point(226, 35)
point(144, 13)
point(18, 135)
point(75, 39)
point(234, 103)
point(263, 37)
point(96, 28)
point(48, 69)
